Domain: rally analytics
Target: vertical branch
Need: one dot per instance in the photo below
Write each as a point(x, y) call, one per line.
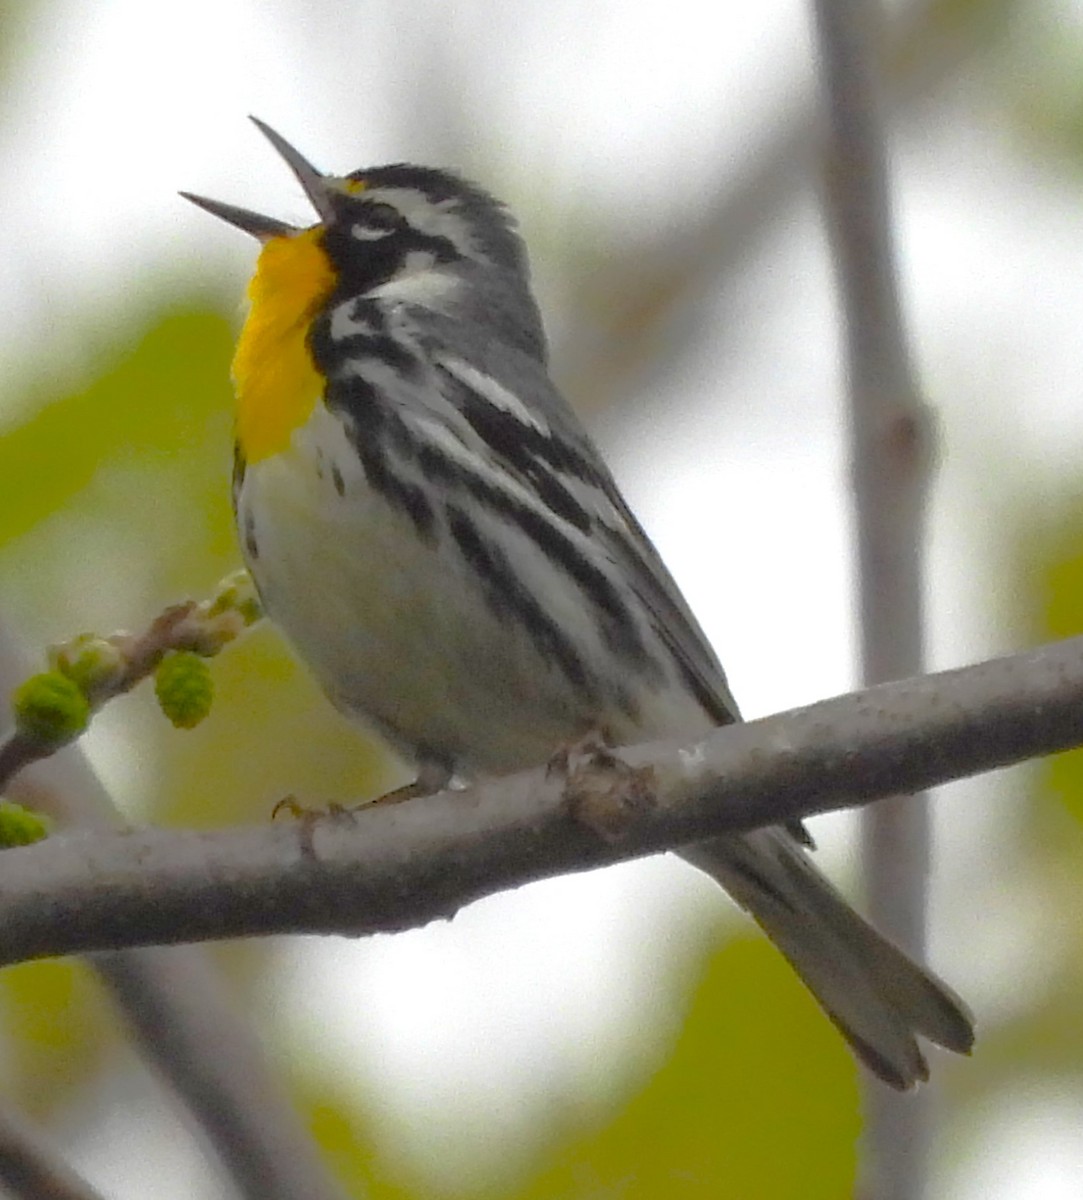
point(890, 446)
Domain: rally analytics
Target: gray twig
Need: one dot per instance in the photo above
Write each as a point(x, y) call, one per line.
point(189, 1028)
point(107, 667)
point(891, 448)
point(31, 1169)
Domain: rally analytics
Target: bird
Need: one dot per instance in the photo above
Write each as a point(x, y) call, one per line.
point(429, 524)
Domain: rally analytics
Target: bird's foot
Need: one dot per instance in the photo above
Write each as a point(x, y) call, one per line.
point(307, 818)
point(601, 791)
point(292, 807)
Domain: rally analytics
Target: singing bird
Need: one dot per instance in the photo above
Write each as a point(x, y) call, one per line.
point(431, 527)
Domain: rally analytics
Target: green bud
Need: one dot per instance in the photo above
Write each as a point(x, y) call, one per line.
point(20, 826)
point(91, 661)
point(50, 708)
point(184, 688)
point(237, 593)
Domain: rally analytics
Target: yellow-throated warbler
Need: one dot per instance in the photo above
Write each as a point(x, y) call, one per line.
point(429, 524)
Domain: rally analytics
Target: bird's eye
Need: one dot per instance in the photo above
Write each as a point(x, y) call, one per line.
point(377, 221)
point(382, 216)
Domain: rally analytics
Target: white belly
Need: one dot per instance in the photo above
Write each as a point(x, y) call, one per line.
point(398, 630)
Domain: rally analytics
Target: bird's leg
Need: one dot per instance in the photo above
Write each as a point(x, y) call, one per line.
point(432, 777)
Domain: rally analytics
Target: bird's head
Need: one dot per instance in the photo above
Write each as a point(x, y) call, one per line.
point(381, 224)
point(394, 236)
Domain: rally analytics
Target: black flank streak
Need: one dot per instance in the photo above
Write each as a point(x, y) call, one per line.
point(618, 627)
point(372, 431)
point(621, 633)
point(239, 466)
point(337, 480)
point(417, 507)
point(509, 598)
point(250, 543)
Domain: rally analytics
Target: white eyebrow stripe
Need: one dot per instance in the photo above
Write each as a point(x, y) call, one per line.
point(439, 218)
point(368, 233)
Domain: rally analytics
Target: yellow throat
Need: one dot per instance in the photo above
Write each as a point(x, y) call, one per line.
point(276, 381)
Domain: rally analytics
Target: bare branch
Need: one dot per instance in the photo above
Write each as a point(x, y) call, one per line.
point(30, 1169)
point(891, 448)
point(390, 867)
point(187, 1026)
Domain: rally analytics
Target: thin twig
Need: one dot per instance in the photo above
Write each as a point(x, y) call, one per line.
point(891, 449)
point(189, 1028)
point(123, 660)
point(31, 1169)
point(389, 867)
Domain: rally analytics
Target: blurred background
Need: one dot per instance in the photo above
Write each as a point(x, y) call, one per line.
point(624, 1033)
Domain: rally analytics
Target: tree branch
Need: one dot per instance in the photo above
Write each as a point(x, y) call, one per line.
point(891, 432)
point(891, 453)
point(389, 867)
point(189, 1027)
point(30, 1169)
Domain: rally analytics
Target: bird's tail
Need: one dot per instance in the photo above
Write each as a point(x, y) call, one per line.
point(878, 998)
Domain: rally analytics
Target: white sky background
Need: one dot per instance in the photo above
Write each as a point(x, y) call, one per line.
point(121, 102)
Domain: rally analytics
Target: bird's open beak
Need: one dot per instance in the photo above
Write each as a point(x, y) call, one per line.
point(261, 227)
